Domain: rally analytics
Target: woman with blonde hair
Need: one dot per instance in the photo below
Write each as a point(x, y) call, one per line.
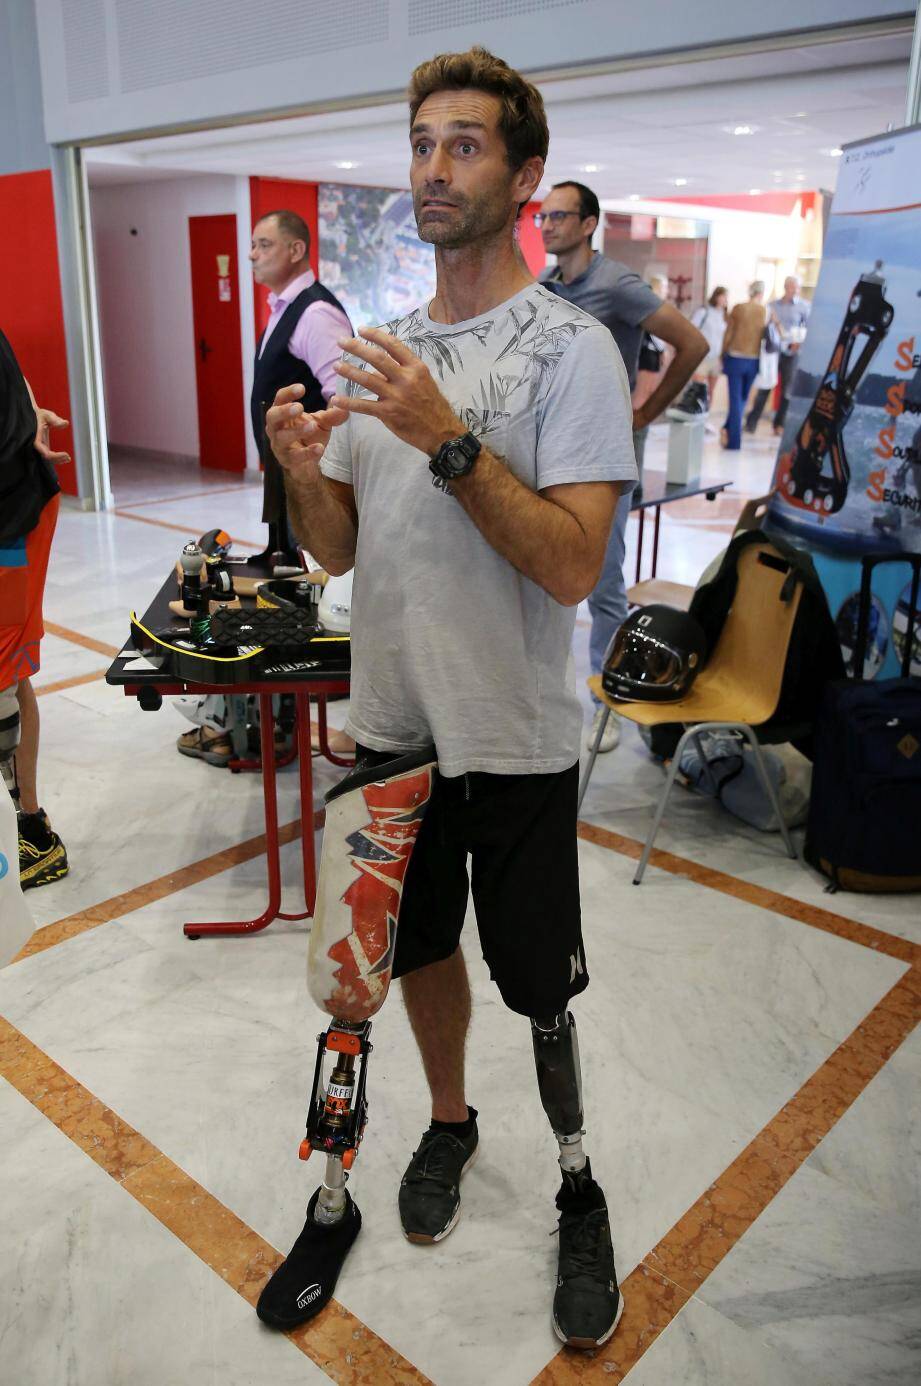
point(741, 352)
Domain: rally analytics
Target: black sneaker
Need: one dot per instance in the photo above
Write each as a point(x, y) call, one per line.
point(693, 404)
point(304, 1282)
point(42, 856)
point(430, 1192)
point(587, 1305)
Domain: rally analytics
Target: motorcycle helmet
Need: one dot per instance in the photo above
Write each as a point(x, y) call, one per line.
point(656, 656)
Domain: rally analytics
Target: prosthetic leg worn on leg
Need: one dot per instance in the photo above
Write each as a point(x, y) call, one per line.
point(587, 1304)
point(373, 818)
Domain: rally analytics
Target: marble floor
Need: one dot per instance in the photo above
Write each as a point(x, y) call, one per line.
point(749, 1050)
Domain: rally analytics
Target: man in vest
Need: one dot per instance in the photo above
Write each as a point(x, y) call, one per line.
point(298, 347)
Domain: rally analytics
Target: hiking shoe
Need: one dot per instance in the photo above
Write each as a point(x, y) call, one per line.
point(215, 749)
point(430, 1192)
point(693, 404)
point(304, 1282)
point(587, 1305)
point(42, 856)
point(610, 738)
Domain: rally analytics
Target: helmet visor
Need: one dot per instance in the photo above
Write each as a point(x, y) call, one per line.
point(642, 666)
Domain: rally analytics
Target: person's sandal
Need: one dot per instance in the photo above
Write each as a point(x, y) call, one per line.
point(214, 750)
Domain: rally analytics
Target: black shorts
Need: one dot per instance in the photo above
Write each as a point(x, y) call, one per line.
point(520, 834)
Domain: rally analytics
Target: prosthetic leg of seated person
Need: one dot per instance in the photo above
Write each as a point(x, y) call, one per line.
point(9, 737)
point(372, 821)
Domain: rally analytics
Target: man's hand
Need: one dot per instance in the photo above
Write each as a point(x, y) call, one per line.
point(408, 400)
point(46, 420)
point(298, 439)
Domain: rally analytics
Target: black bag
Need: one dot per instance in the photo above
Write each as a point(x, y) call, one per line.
point(650, 357)
point(770, 339)
point(865, 811)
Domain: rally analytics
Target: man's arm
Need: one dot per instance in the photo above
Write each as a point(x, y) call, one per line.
point(315, 341)
point(690, 349)
point(322, 510)
point(556, 537)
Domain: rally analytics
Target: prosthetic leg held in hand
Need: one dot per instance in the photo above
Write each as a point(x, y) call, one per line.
point(372, 820)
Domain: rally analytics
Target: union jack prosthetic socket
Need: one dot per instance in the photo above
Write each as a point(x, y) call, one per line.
point(373, 818)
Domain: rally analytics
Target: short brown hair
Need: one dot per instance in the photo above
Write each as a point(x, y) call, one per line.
point(292, 225)
point(522, 118)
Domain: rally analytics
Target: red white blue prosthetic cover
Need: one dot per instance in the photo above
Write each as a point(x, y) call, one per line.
point(373, 818)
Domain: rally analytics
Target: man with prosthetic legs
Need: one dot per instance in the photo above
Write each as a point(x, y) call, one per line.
point(468, 470)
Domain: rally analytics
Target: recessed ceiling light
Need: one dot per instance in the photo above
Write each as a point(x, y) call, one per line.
point(633, 197)
point(345, 163)
point(753, 192)
point(590, 168)
point(741, 129)
point(833, 153)
point(679, 182)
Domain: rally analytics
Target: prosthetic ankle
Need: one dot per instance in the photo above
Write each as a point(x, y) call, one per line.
point(373, 818)
point(559, 1080)
point(9, 739)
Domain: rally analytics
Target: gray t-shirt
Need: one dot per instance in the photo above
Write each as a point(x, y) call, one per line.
point(616, 296)
point(450, 643)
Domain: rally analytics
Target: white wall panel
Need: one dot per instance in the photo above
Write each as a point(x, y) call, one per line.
point(121, 66)
point(145, 304)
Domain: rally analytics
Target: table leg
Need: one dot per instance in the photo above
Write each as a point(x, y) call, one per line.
point(270, 800)
point(305, 772)
point(655, 541)
point(639, 544)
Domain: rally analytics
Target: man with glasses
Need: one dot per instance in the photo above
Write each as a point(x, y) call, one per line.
point(627, 306)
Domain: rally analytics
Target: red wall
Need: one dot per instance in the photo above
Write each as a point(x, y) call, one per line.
point(529, 238)
point(779, 203)
point(31, 314)
point(283, 194)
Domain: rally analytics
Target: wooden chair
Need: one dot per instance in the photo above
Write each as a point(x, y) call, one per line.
point(679, 594)
point(738, 688)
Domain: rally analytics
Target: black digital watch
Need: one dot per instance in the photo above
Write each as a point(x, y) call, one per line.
point(453, 459)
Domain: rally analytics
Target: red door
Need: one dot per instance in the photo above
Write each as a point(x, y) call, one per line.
point(218, 362)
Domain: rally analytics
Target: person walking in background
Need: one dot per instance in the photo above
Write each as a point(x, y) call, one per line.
point(630, 309)
point(741, 353)
point(791, 315)
point(710, 319)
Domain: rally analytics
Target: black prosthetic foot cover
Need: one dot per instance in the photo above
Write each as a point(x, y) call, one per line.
point(304, 1283)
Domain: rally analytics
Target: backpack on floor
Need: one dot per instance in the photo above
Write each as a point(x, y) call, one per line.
point(864, 828)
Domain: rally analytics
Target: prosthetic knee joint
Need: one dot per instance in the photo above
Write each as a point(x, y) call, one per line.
point(559, 1080)
point(373, 818)
point(9, 738)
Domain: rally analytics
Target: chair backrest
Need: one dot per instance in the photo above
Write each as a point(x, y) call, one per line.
point(752, 648)
point(753, 513)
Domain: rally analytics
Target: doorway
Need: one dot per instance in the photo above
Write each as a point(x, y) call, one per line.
point(216, 330)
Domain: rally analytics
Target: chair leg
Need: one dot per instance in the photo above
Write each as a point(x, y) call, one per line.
point(660, 807)
point(593, 756)
point(770, 791)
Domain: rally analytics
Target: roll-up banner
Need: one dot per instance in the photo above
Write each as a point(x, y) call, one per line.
point(848, 473)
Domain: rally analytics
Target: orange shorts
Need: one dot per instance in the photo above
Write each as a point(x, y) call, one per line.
point(23, 566)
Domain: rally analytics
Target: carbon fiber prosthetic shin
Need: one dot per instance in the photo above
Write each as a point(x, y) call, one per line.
point(9, 739)
point(559, 1080)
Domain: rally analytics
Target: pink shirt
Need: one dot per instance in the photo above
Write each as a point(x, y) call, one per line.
point(315, 339)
